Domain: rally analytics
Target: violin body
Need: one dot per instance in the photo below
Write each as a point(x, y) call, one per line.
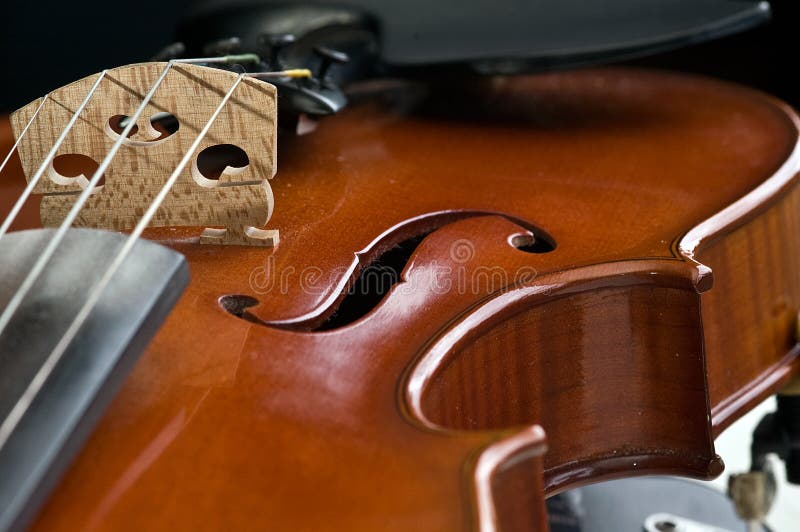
point(604, 275)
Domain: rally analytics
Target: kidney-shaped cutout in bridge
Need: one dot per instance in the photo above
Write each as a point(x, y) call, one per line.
point(215, 162)
point(160, 127)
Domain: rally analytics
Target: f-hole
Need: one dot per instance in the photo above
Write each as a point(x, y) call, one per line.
point(373, 281)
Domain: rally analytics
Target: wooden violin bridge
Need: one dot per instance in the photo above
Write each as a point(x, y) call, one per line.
point(224, 189)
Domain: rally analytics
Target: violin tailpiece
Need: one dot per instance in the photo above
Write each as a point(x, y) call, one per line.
point(224, 189)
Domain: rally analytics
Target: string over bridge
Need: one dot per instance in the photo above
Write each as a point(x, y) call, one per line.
point(224, 190)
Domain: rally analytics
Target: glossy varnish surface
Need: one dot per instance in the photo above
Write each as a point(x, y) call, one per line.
point(421, 413)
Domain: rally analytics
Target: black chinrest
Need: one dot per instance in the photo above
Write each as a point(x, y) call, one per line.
point(487, 36)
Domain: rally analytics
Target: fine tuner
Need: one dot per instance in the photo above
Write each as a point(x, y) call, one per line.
point(315, 96)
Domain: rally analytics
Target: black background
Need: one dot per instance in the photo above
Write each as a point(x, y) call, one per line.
point(48, 44)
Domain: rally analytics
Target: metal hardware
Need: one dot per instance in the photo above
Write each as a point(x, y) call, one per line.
point(328, 56)
point(227, 46)
point(626, 505)
point(753, 493)
point(777, 433)
point(664, 522)
point(169, 52)
point(275, 44)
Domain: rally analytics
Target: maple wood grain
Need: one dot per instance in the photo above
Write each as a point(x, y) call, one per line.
point(239, 201)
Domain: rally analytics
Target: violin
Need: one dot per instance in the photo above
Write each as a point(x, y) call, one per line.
point(425, 310)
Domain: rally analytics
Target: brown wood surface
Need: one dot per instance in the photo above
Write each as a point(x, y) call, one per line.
point(666, 309)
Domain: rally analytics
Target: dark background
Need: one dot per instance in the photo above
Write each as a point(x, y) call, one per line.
point(764, 57)
point(47, 44)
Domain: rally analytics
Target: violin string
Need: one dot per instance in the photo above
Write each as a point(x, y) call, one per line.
point(24, 131)
point(293, 73)
point(37, 176)
point(230, 59)
point(36, 270)
point(96, 293)
point(21, 406)
point(41, 262)
point(15, 210)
